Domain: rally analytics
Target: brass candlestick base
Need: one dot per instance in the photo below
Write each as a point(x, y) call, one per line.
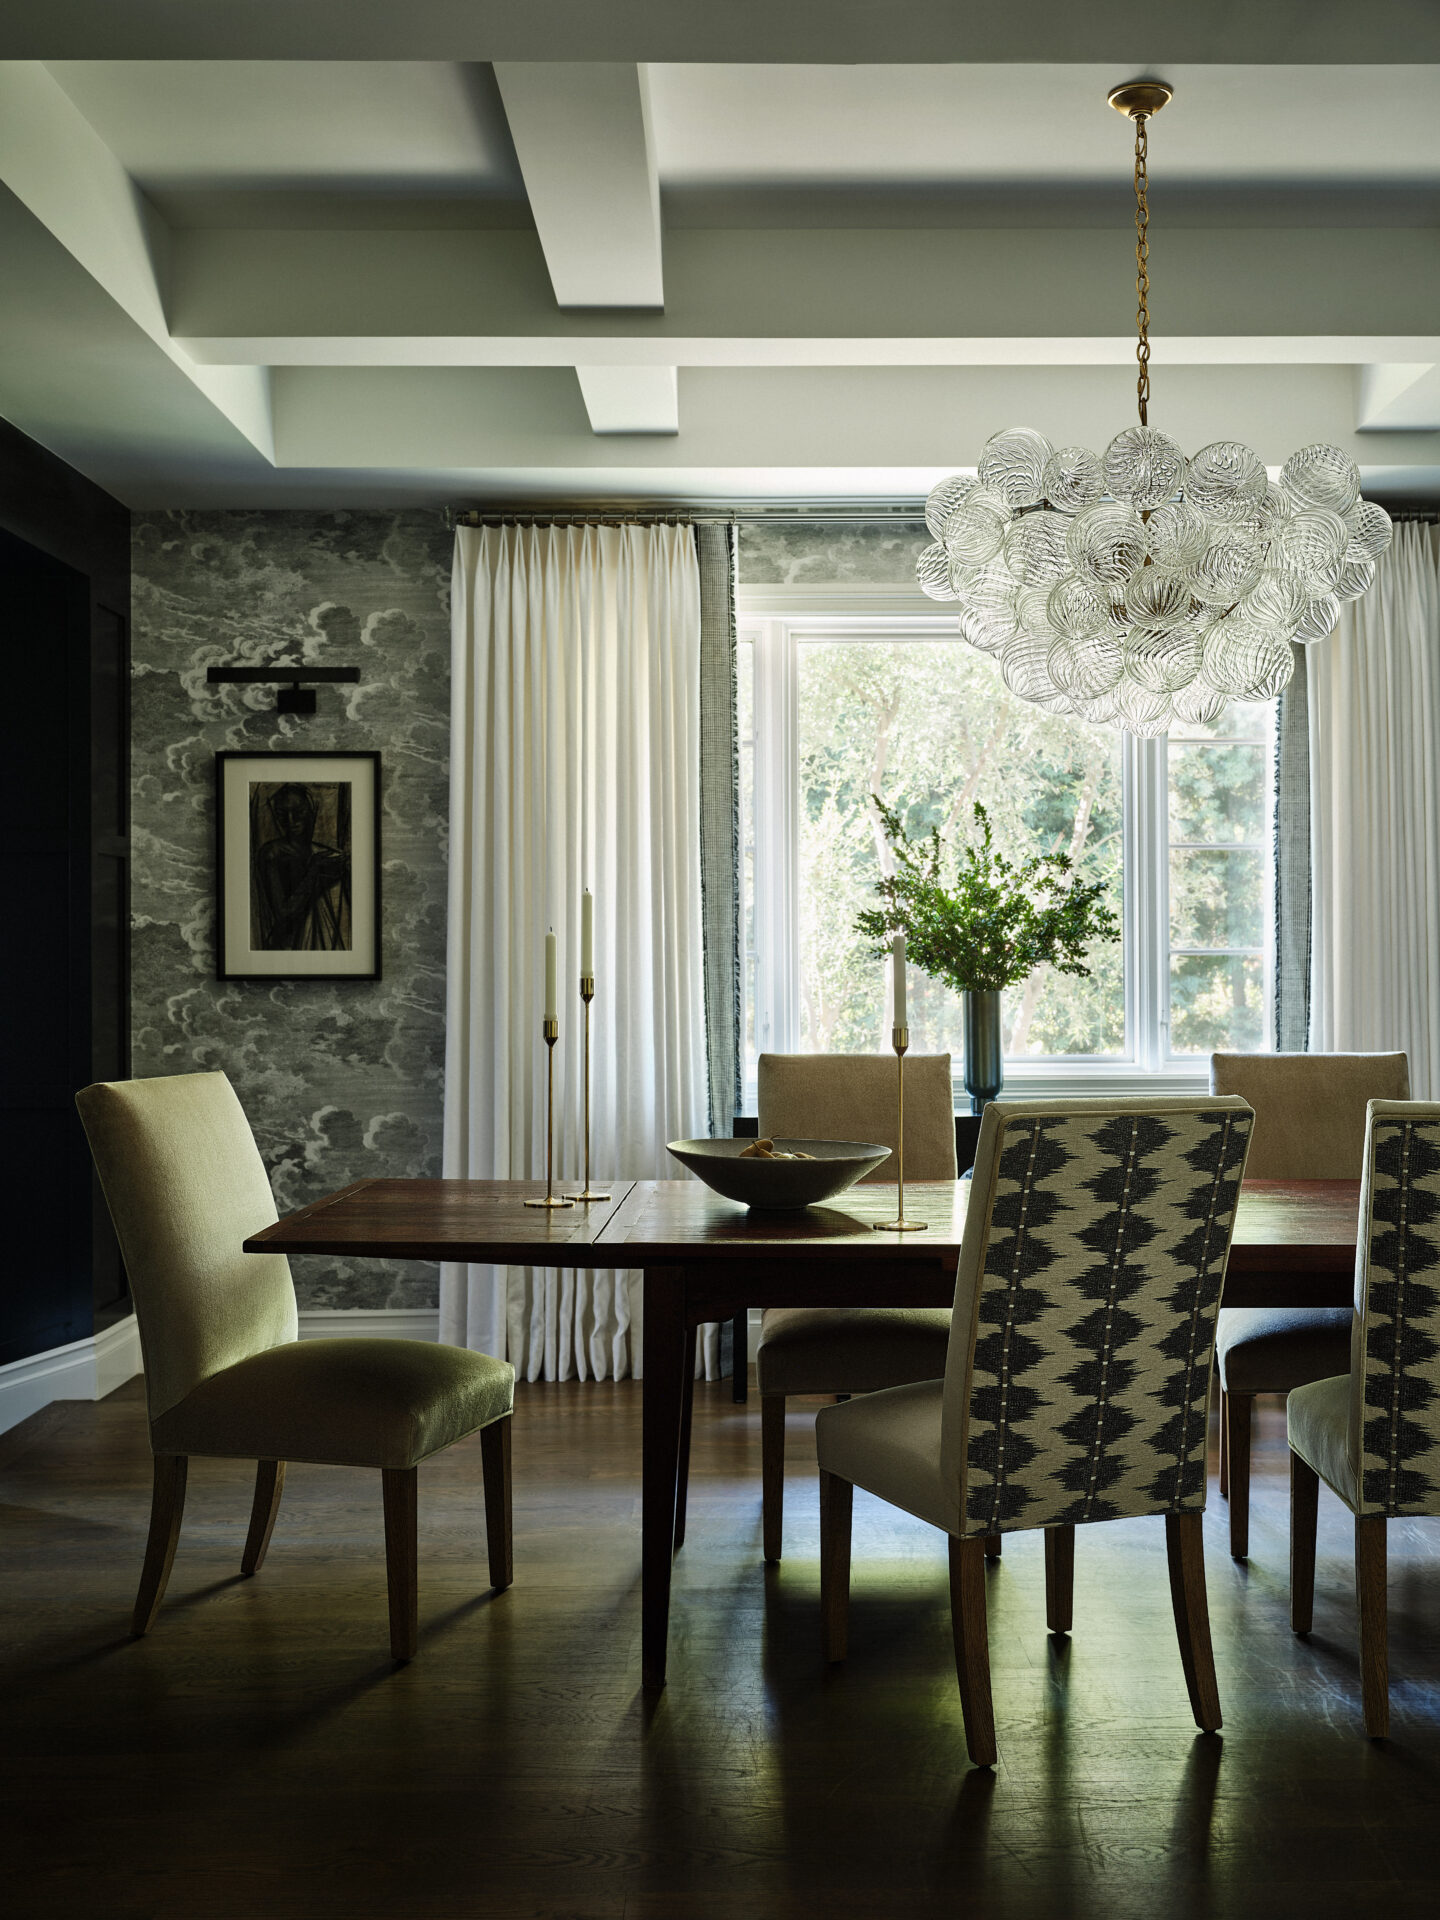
point(900, 1040)
point(550, 1030)
point(587, 994)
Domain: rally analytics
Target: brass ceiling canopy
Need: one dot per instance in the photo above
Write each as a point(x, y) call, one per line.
point(1140, 96)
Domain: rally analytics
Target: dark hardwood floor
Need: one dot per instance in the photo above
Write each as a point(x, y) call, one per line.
point(259, 1755)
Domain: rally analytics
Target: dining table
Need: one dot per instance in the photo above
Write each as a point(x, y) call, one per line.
point(704, 1258)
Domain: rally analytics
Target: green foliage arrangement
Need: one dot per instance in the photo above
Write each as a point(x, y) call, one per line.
point(996, 923)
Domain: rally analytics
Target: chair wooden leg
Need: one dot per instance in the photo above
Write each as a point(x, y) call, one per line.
point(1304, 1513)
point(972, 1647)
point(401, 1486)
point(1224, 1445)
point(836, 1502)
point(1370, 1582)
point(1059, 1578)
point(167, 1504)
point(992, 1545)
point(687, 1414)
point(740, 1357)
point(772, 1471)
point(495, 1468)
point(1185, 1550)
point(269, 1485)
point(1238, 1408)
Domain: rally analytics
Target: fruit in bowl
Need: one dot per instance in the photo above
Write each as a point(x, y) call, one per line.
point(779, 1175)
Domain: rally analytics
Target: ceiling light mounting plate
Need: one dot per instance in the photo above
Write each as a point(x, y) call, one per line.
point(1140, 96)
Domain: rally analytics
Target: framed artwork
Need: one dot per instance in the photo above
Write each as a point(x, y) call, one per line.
point(297, 865)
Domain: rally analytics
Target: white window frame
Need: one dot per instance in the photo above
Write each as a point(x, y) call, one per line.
point(775, 620)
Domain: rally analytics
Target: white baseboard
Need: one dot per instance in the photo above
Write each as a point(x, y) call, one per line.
point(89, 1369)
point(83, 1370)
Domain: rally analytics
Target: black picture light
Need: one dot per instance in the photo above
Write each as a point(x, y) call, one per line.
point(295, 696)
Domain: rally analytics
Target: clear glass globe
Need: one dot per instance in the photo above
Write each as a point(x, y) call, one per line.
point(1035, 549)
point(988, 630)
point(1318, 622)
point(1013, 463)
point(1101, 710)
point(1144, 466)
point(1142, 710)
point(1244, 660)
point(1099, 663)
point(1198, 705)
point(1356, 578)
point(1073, 479)
point(1321, 476)
point(1277, 600)
point(991, 587)
point(1163, 662)
point(1225, 474)
point(1370, 530)
point(1076, 608)
point(943, 500)
point(1106, 543)
point(1156, 597)
point(977, 528)
point(1024, 663)
point(1312, 545)
point(1176, 534)
point(932, 570)
point(1229, 566)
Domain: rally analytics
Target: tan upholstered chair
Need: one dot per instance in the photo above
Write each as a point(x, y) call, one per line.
point(224, 1372)
point(839, 1096)
point(1309, 1125)
point(1077, 1384)
point(1372, 1433)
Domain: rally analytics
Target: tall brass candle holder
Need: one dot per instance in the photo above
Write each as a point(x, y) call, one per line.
point(900, 1039)
point(551, 1031)
point(587, 994)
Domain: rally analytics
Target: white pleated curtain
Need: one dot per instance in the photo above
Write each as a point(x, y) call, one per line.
point(574, 763)
point(1374, 699)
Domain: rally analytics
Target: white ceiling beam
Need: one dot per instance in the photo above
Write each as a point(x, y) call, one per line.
point(631, 399)
point(582, 137)
point(784, 420)
point(58, 167)
point(1306, 32)
point(812, 297)
point(1403, 397)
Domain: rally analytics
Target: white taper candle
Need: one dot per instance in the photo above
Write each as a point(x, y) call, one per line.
point(587, 935)
point(897, 952)
point(551, 978)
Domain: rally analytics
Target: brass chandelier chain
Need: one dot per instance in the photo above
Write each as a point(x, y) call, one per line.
point(1142, 263)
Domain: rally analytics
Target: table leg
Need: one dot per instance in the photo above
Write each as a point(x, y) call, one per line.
point(664, 1350)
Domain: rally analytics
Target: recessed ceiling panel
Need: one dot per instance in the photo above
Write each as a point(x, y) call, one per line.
point(365, 127)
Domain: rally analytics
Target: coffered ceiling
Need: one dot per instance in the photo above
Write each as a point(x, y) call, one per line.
point(706, 253)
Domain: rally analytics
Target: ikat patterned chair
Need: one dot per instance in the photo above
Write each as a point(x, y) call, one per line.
point(1078, 1376)
point(1373, 1434)
point(1309, 1125)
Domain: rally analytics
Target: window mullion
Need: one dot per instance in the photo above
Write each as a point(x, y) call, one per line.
point(776, 839)
point(1147, 901)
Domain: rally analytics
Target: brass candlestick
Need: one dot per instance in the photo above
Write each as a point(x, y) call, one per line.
point(551, 1031)
point(587, 994)
point(900, 1039)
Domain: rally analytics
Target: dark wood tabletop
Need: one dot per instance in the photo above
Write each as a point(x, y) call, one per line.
point(1286, 1230)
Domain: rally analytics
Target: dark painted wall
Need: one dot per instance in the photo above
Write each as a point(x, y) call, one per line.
point(64, 889)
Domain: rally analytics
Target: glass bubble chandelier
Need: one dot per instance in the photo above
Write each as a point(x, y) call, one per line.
point(1138, 587)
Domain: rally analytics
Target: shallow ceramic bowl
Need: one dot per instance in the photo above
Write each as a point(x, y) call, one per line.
point(779, 1184)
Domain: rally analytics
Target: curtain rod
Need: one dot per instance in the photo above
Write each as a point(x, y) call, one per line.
point(896, 516)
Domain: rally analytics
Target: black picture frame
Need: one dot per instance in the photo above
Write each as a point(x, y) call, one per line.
point(309, 909)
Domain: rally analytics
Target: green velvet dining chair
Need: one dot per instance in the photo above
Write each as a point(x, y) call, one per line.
point(1372, 1433)
point(1077, 1380)
point(226, 1374)
point(1309, 1125)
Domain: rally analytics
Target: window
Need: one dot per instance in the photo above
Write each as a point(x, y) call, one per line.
point(833, 708)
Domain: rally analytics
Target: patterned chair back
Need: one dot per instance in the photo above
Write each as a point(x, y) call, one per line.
point(1394, 1436)
point(1078, 1377)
